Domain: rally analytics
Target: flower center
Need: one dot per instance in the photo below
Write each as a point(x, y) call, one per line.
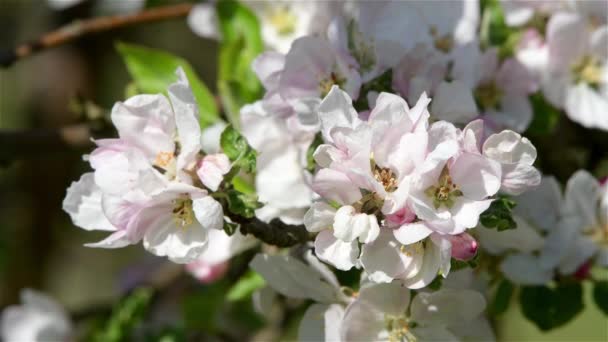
point(183, 214)
point(588, 70)
point(326, 83)
point(599, 234)
point(283, 20)
point(398, 328)
point(443, 43)
point(412, 249)
point(386, 177)
point(445, 192)
point(488, 95)
point(164, 159)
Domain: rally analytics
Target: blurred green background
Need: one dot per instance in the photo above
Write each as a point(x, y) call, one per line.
point(39, 248)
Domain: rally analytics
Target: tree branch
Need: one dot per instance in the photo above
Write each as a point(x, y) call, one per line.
point(19, 144)
point(274, 233)
point(81, 28)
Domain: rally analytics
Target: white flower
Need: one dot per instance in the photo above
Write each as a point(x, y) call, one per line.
point(142, 187)
point(282, 183)
point(380, 313)
point(582, 232)
point(38, 319)
point(281, 21)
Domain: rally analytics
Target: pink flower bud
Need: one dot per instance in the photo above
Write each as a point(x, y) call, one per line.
point(464, 246)
point(206, 272)
point(401, 217)
point(583, 271)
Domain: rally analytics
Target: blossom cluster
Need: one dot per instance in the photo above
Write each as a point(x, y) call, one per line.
point(387, 129)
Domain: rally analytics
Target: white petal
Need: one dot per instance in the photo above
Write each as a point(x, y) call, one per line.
point(477, 176)
point(454, 102)
point(541, 205)
point(181, 245)
point(581, 198)
point(292, 278)
point(524, 238)
point(412, 232)
point(335, 186)
point(525, 269)
point(118, 239)
point(586, 106)
point(83, 203)
point(447, 307)
point(384, 261)
point(203, 21)
point(320, 216)
point(343, 255)
point(336, 110)
point(391, 298)
point(208, 212)
point(321, 323)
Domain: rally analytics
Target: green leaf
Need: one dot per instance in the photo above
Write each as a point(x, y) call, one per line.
point(230, 228)
point(499, 215)
point(545, 116)
point(502, 298)
point(125, 316)
point(494, 30)
point(600, 295)
point(236, 147)
point(549, 308)
point(310, 160)
point(242, 204)
point(436, 283)
point(241, 44)
point(154, 70)
point(249, 283)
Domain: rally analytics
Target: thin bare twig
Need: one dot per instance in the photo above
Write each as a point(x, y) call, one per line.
point(81, 28)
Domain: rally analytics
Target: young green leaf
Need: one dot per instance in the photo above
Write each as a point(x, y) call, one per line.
point(250, 282)
point(600, 295)
point(241, 44)
point(545, 116)
point(236, 147)
point(499, 215)
point(502, 297)
point(242, 204)
point(153, 70)
point(125, 316)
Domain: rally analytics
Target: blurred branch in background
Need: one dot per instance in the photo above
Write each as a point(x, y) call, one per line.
point(22, 144)
point(81, 28)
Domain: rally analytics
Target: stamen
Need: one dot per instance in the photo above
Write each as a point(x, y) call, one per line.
point(386, 177)
point(183, 214)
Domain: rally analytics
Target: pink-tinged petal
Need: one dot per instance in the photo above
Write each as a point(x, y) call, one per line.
point(473, 136)
point(146, 121)
point(412, 232)
point(212, 169)
point(267, 67)
point(309, 61)
point(400, 217)
point(342, 255)
point(464, 246)
point(476, 176)
point(117, 239)
point(407, 154)
point(585, 105)
point(466, 213)
point(567, 38)
point(336, 110)
point(514, 78)
point(454, 102)
point(384, 261)
point(210, 137)
point(207, 273)
point(186, 114)
point(441, 131)
point(518, 178)
point(83, 203)
point(350, 225)
point(335, 186)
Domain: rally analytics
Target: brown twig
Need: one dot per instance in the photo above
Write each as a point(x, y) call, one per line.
point(81, 28)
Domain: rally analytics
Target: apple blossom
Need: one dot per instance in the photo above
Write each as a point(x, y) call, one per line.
point(144, 187)
point(39, 318)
